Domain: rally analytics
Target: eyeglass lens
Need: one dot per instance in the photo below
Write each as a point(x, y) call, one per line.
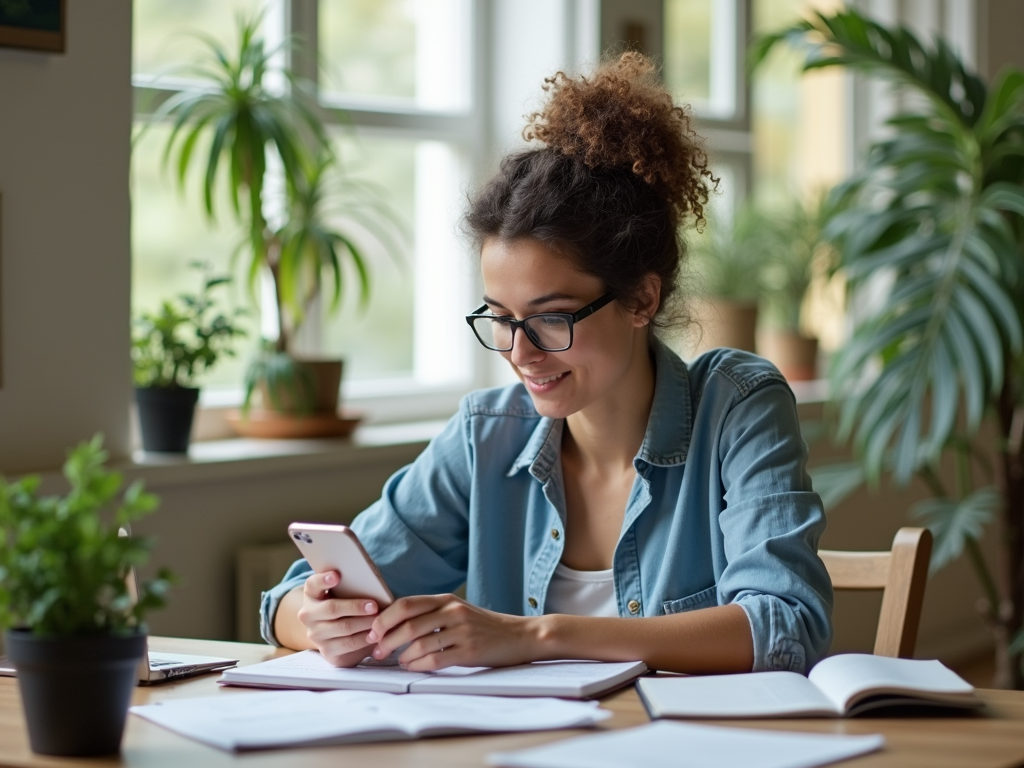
point(549, 332)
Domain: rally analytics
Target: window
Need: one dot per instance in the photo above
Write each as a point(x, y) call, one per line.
point(395, 88)
point(781, 135)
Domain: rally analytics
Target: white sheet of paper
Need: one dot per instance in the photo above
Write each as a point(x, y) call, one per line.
point(761, 694)
point(268, 719)
point(681, 745)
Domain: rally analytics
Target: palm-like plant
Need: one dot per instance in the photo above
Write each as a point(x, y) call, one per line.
point(937, 209)
point(258, 116)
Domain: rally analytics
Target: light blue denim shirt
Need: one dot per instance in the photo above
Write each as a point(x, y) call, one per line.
point(721, 512)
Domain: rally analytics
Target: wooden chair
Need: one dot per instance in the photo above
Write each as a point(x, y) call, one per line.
point(901, 575)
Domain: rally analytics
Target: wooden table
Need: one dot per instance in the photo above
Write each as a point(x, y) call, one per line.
point(992, 740)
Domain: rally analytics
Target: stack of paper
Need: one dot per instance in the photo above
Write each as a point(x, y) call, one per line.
point(246, 721)
point(675, 745)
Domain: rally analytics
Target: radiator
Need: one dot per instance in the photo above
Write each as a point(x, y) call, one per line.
point(257, 568)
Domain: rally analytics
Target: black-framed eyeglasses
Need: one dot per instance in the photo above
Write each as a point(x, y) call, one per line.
point(547, 331)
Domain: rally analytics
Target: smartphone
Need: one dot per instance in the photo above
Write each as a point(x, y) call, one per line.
point(337, 548)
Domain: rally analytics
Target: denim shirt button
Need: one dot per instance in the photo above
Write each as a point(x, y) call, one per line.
point(555, 534)
point(532, 601)
point(634, 607)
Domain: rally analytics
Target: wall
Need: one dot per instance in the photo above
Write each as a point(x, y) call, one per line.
point(65, 123)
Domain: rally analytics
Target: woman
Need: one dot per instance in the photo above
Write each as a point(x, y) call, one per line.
point(617, 504)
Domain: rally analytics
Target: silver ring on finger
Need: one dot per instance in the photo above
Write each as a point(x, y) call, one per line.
point(440, 642)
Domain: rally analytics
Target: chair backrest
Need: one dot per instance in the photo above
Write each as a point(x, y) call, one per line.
point(901, 575)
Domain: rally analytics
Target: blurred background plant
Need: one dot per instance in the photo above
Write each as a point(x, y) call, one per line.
point(931, 229)
point(186, 338)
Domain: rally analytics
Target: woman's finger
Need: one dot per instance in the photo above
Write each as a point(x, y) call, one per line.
point(318, 584)
point(406, 632)
point(403, 610)
point(428, 645)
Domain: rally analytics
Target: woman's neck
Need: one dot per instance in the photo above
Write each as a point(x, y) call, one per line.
point(609, 433)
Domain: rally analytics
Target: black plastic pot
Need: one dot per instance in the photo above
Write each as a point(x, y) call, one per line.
point(165, 416)
point(75, 690)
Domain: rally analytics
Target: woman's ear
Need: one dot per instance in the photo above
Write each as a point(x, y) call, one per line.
point(649, 299)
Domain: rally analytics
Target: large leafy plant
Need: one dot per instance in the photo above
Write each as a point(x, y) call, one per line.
point(258, 116)
point(931, 228)
point(63, 566)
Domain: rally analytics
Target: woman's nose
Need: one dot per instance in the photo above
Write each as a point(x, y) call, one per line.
point(523, 350)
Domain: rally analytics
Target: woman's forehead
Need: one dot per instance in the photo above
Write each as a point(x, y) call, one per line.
point(530, 268)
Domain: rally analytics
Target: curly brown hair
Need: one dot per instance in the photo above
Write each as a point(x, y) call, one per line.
point(624, 117)
point(619, 171)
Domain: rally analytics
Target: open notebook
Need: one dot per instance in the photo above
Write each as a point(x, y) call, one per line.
point(840, 686)
point(565, 679)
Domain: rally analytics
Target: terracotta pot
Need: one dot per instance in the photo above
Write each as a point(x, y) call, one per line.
point(323, 376)
point(722, 323)
point(795, 356)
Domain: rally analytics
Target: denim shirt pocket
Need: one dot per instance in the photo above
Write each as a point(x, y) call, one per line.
point(703, 599)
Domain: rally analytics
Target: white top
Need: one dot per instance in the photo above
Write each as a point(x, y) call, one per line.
point(582, 593)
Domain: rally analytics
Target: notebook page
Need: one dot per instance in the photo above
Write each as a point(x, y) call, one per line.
point(682, 745)
point(308, 669)
point(849, 676)
point(291, 718)
point(439, 712)
point(574, 679)
point(273, 719)
point(752, 694)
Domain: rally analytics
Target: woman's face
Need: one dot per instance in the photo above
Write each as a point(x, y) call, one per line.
point(524, 277)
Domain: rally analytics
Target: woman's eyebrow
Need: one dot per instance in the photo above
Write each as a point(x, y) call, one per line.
point(546, 298)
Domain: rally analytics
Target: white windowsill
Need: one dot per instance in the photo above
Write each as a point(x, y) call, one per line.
point(221, 460)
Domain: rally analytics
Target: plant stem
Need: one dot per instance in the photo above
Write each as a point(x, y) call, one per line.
point(988, 583)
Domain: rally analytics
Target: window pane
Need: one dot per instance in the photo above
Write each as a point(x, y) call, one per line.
point(377, 342)
point(163, 29)
point(169, 231)
point(799, 121)
point(408, 52)
point(700, 55)
point(688, 48)
point(416, 303)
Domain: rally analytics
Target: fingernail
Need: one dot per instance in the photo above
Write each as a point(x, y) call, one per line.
point(377, 652)
point(370, 607)
point(329, 578)
point(372, 637)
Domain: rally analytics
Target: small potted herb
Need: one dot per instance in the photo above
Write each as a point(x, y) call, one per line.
point(170, 349)
point(74, 631)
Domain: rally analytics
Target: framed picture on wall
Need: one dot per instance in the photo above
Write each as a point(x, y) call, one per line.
point(37, 25)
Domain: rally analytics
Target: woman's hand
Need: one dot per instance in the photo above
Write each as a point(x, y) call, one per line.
point(335, 626)
point(445, 631)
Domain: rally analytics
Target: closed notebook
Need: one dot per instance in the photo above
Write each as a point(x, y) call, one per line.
point(840, 686)
point(564, 679)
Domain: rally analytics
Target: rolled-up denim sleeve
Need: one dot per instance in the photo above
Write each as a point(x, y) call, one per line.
point(294, 577)
point(771, 525)
point(418, 532)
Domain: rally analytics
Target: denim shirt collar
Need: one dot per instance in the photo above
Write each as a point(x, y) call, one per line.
point(666, 441)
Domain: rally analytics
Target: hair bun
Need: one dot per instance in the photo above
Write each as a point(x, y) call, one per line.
point(622, 116)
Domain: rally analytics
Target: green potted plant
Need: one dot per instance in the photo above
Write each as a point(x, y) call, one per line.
point(171, 348)
point(73, 631)
point(725, 262)
point(795, 251)
point(938, 210)
point(254, 127)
